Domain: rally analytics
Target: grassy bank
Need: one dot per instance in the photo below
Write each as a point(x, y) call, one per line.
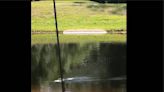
point(51, 38)
point(78, 16)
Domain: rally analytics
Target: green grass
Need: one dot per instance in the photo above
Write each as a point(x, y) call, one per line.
point(51, 38)
point(82, 16)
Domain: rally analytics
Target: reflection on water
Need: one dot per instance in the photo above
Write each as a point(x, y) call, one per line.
point(90, 67)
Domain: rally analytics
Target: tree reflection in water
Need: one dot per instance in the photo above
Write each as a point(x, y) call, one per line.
point(100, 60)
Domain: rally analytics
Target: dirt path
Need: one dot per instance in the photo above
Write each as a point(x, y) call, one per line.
point(73, 31)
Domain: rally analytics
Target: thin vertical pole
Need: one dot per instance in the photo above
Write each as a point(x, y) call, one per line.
point(58, 48)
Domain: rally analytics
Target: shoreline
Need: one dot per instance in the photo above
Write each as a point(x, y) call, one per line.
point(62, 32)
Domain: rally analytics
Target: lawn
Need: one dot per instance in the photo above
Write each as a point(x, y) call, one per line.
point(74, 15)
point(51, 38)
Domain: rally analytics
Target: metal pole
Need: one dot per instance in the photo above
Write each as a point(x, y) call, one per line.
point(58, 48)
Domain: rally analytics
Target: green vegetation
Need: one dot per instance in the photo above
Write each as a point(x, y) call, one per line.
point(78, 15)
point(51, 38)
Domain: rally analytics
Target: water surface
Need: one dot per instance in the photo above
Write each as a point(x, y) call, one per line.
point(89, 67)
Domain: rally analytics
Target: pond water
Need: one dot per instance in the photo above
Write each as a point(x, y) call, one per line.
point(88, 67)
